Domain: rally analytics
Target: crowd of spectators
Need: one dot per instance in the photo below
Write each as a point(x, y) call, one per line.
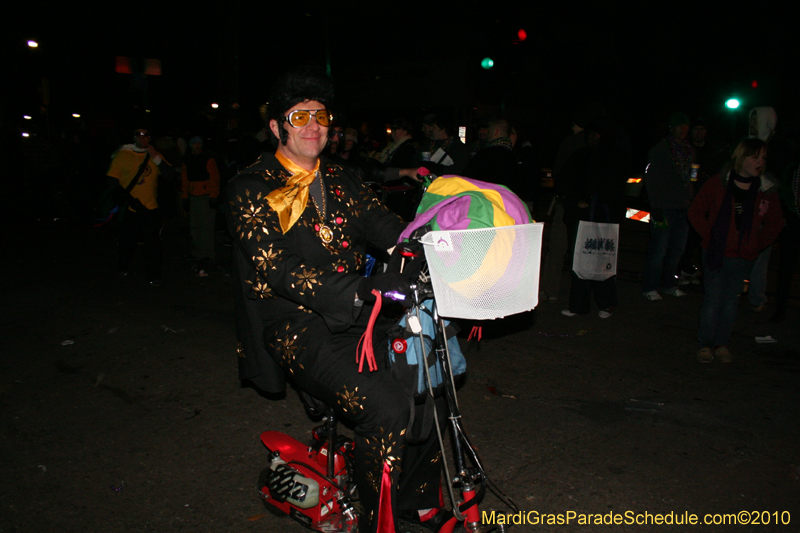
point(589, 171)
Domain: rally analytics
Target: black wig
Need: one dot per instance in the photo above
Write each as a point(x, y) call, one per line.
point(308, 82)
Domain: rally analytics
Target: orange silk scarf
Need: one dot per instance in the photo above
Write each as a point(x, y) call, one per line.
point(290, 201)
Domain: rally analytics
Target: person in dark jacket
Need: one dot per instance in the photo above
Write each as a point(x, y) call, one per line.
point(789, 240)
point(448, 154)
point(669, 188)
point(738, 215)
point(496, 163)
point(592, 190)
point(200, 193)
point(400, 194)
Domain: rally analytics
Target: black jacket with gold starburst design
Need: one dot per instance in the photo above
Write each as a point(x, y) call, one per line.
point(296, 291)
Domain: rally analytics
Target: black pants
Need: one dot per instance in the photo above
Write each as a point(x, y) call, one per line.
point(581, 290)
point(380, 409)
point(145, 225)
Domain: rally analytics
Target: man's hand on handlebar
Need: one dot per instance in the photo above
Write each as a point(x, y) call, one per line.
point(393, 284)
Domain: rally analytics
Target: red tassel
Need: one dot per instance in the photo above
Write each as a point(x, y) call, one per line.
point(477, 333)
point(385, 512)
point(364, 349)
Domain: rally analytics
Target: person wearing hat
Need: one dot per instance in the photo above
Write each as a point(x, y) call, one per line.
point(427, 132)
point(385, 167)
point(667, 179)
point(400, 151)
point(200, 193)
point(351, 155)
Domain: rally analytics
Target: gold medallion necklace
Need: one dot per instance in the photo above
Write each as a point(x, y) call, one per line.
point(325, 233)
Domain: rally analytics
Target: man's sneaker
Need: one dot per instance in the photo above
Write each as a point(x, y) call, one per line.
point(605, 313)
point(675, 292)
point(653, 296)
point(705, 355)
point(723, 354)
point(757, 308)
point(567, 312)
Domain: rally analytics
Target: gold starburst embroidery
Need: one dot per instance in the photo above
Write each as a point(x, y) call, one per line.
point(352, 207)
point(266, 259)
point(261, 288)
point(306, 280)
point(349, 400)
point(372, 480)
point(383, 449)
point(288, 349)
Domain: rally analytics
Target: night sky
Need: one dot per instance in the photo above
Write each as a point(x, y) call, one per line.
point(640, 61)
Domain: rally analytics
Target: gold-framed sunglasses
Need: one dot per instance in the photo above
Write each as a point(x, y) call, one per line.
point(300, 117)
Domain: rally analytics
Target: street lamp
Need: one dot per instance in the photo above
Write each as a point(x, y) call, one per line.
point(733, 105)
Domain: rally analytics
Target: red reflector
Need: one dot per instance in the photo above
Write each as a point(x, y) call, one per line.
point(399, 345)
point(122, 65)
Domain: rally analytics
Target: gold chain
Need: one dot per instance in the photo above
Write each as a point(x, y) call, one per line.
point(324, 232)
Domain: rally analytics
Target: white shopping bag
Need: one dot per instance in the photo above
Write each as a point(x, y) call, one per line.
point(596, 247)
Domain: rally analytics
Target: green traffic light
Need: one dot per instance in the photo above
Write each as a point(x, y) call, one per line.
point(732, 103)
point(487, 63)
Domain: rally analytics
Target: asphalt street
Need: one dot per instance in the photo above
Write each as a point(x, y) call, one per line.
point(120, 407)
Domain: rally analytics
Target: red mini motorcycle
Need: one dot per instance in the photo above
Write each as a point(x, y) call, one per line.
point(311, 483)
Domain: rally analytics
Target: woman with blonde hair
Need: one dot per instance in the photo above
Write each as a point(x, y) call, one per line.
point(737, 214)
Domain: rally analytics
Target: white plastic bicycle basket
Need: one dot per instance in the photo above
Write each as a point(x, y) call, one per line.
point(485, 273)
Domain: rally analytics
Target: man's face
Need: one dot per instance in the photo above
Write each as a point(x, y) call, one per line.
point(336, 136)
point(438, 133)
point(483, 133)
point(305, 143)
point(681, 131)
point(141, 139)
point(427, 131)
point(699, 133)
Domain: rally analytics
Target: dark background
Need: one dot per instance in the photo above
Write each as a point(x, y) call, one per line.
point(639, 61)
